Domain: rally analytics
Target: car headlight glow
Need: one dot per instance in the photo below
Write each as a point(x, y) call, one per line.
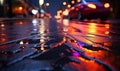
point(106, 5)
point(93, 6)
point(20, 8)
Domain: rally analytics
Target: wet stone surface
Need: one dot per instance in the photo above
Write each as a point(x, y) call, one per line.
point(54, 57)
point(57, 48)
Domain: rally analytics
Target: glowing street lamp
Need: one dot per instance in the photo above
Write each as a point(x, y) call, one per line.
point(1, 2)
point(41, 2)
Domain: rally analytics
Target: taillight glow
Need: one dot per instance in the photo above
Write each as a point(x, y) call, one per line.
point(92, 6)
point(106, 5)
point(20, 8)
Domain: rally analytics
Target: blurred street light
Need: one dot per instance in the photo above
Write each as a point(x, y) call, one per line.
point(47, 4)
point(1, 2)
point(2, 8)
point(73, 2)
point(41, 2)
point(78, 0)
point(68, 5)
point(64, 3)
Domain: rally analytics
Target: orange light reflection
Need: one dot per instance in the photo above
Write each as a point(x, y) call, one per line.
point(107, 25)
point(107, 32)
point(92, 27)
point(2, 40)
point(91, 65)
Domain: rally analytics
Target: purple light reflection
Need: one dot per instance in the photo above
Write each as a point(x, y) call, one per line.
point(80, 45)
point(75, 54)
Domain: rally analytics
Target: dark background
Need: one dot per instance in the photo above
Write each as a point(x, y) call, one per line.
point(54, 6)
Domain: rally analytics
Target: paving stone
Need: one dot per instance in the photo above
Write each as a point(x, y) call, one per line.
point(12, 49)
point(9, 59)
point(29, 65)
point(21, 55)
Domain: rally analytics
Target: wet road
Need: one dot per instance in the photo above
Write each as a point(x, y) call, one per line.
point(62, 45)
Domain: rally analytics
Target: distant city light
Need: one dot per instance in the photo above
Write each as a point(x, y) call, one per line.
point(73, 2)
point(78, 0)
point(69, 6)
point(64, 3)
point(47, 4)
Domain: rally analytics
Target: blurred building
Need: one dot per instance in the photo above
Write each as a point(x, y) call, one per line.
point(6, 6)
point(2, 8)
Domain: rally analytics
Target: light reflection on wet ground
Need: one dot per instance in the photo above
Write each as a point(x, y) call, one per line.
point(71, 45)
point(100, 35)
